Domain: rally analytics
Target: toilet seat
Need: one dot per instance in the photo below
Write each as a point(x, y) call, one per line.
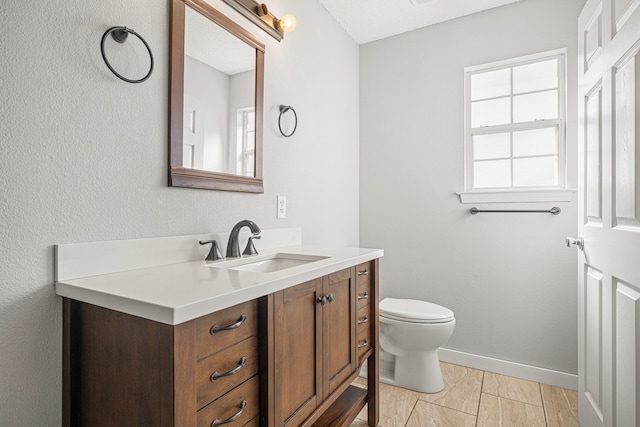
point(414, 311)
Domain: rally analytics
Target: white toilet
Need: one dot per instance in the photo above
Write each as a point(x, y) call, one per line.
point(411, 331)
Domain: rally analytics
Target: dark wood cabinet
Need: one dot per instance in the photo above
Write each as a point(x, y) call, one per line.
point(314, 344)
point(297, 357)
point(318, 350)
point(285, 359)
point(338, 321)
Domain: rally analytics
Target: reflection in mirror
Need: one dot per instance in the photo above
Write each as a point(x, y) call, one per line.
point(219, 110)
point(216, 101)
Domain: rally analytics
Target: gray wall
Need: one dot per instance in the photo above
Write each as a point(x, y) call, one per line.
point(508, 278)
point(83, 157)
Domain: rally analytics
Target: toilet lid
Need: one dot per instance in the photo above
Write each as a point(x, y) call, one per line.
point(415, 311)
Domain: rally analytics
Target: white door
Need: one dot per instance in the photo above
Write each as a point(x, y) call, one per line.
point(609, 213)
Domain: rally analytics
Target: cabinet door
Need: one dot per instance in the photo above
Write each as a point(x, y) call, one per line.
point(339, 342)
point(297, 355)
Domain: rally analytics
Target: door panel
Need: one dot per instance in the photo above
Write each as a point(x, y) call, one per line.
point(593, 154)
point(626, 156)
point(627, 354)
point(622, 10)
point(592, 35)
point(609, 213)
point(593, 327)
point(297, 340)
point(339, 327)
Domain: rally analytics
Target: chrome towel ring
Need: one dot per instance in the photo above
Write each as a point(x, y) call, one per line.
point(284, 109)
point(120, 35)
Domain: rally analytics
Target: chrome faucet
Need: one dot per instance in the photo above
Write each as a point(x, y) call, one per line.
point(233, 246)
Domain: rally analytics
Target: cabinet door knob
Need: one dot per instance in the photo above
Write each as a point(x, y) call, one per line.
point(217, 375)
point(232, 418)
point(363, 272)
point(364, 344)
point(363, 296)
point(330, 298)
point(322, 300)
point(215, 329)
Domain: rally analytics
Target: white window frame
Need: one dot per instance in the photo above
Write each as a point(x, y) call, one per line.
point(245, 156)
point(557, 192)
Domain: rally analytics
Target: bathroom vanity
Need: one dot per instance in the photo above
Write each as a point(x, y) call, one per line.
point(188, 343)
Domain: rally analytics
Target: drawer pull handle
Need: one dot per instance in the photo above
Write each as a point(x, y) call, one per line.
point(365, 319)
point(215, 329)
point(232, 418)
point(364, 343)
point(363, 272)
point(363, 296)
point(217, 375)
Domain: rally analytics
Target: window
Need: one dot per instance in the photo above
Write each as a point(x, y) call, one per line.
point(245, 160)
point(515, 124)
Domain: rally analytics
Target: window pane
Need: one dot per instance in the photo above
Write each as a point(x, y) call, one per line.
point(493, 173)
point(491, 146)
point(536, 76)
point(491, 84)
point(494, 112)
point(542, 105)
point(536, 171)
point(535, 142)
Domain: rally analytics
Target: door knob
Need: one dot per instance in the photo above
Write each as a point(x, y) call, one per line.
point(579, 242)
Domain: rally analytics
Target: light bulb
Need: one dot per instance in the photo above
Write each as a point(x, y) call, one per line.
point(287, 23)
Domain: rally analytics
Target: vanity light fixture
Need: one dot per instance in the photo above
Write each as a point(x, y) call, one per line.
point(287, 23)
point(259, 14)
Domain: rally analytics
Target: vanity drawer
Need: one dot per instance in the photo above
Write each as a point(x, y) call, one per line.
point(363, 273)
point(231, 404)
point(221, 329)
point(363, 343)
point(239, 362)
point(363, 320)
point(363, 295)
point(363, 330)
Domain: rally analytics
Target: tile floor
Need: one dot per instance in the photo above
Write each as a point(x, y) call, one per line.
point(476, 398)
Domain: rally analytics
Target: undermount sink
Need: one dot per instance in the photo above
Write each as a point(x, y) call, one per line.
point(267, 263)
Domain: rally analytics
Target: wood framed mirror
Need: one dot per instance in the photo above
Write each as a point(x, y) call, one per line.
point(215, 101)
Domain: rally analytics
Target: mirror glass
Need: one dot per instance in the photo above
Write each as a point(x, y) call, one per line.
point(219, 102)
point(216, 124)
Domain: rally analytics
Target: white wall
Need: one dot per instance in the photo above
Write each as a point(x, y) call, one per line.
point(207, 91)
point(508, 278)
point(83, 157)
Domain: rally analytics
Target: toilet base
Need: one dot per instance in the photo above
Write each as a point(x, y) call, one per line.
point(418, 371)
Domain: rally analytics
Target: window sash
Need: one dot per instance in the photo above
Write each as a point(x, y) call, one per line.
point(558, 123)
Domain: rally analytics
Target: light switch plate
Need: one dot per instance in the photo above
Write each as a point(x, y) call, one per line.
point(281, 205)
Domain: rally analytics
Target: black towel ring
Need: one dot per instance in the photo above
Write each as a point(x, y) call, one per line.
point(284, 109)
point(120, 35)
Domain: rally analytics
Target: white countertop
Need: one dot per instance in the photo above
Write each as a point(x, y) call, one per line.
point(179, 292)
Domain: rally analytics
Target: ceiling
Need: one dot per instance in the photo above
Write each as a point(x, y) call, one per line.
point(215, 46)
point(370, 20)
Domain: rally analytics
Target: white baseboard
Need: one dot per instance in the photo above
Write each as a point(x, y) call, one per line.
point(512, 369)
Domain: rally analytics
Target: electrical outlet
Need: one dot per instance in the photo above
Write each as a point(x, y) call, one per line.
point(282, 207)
